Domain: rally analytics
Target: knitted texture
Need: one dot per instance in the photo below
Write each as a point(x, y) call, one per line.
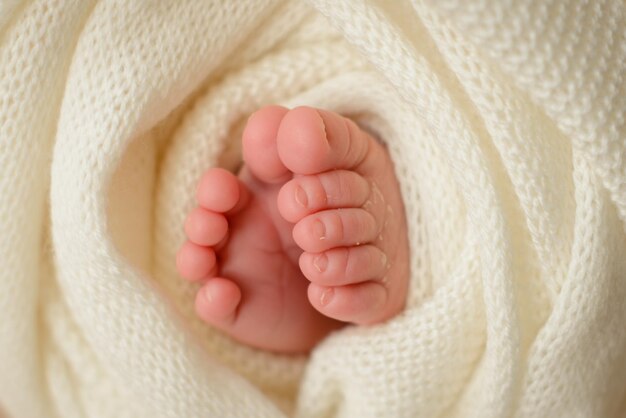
point(506, 124)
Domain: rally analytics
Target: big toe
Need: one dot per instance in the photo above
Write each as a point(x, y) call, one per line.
point(311, 141)
point(260, 151)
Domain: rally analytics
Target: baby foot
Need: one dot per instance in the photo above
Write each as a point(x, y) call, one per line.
point(310, 235)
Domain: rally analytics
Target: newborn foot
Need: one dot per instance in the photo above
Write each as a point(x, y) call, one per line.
point(310, 235)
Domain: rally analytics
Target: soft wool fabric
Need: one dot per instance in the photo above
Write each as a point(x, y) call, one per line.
point(505, 120)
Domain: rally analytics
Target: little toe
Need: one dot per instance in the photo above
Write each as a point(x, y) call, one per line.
point(304, 195)
point(362, 303)
point(195, 262)
point(342, 266)
point(335, 228)
point(260, 151)
point(217, 302)
point(327, 139)
point(219, 190)
point(206, 228)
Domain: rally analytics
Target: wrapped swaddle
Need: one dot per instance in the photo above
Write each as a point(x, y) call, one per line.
point(506, 124)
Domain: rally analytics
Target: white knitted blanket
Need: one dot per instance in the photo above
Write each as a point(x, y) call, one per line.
point(506, 122)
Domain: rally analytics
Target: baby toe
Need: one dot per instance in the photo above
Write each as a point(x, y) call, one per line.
point(206, 228)
point(335, 228)
point(195, 262)
point(220, 190)
point(328, 140)
point(217, 302)
point(259, 146)
point(362, 303)
point(309, 194)
point(342, 266)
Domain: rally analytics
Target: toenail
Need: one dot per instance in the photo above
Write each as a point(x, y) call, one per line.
point(301, 197)
point(321, 262)
point(327, 295)
point(383, 259)
point(319, 229)
point(207, 295)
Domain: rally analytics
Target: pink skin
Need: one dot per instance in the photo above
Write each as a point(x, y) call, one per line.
point(311, 234)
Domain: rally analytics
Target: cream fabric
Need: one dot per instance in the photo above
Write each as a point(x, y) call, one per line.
point(505, 120)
